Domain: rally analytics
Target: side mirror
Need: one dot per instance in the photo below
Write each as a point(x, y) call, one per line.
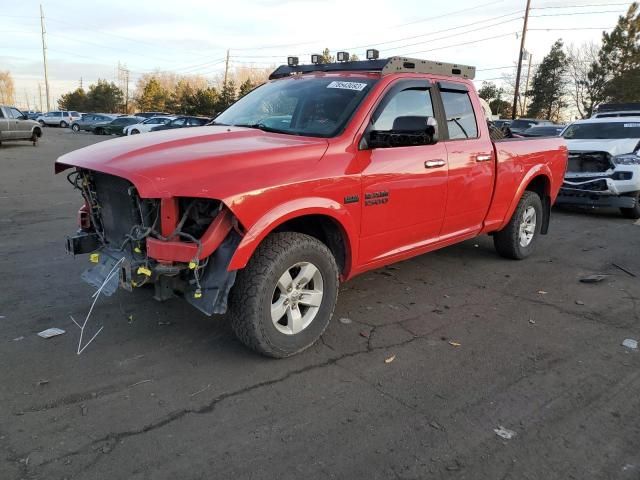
point(406, 131)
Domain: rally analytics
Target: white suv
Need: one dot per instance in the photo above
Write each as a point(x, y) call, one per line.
point(147, 125)
point(58, 118)
point(604, 164)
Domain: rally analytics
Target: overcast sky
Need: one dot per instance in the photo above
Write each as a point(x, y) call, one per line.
point(88, 39)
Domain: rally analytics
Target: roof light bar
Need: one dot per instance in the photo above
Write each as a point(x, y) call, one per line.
point(316, 59)
point(373, 54)
point(292, 61)
point(342, 56)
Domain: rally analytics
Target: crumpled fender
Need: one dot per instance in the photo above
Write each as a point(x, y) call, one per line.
point(290, 210)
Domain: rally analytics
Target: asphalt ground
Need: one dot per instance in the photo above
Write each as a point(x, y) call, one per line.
point(436, 353)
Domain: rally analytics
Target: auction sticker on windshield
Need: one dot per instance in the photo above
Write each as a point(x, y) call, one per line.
point(348, 85)
point(631, 125)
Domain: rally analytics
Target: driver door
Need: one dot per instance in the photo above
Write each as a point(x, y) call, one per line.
point(404, 188)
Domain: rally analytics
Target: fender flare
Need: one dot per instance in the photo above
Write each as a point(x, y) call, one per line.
point(288, 211)
point(540, 170)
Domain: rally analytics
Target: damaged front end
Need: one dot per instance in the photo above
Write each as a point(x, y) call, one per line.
point(592, 179)
point(180, 245)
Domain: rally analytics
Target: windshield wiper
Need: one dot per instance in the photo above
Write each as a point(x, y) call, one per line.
point(260, 126)
point(213, 122)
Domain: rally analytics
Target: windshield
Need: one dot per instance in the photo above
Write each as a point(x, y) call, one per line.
point(522, 124)
point(309, 106)
point(613, 130)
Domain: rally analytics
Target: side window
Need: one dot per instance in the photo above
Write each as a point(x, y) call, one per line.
point(1, 112)
point(15, 113)
point(460, 117)
point(411, 102)
point(179, 121)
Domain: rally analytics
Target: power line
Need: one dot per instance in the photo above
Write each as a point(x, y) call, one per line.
point(458, 44)
point(584, 5)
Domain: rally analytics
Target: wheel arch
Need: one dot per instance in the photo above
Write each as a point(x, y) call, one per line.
point(324, 219)
point(537, 180)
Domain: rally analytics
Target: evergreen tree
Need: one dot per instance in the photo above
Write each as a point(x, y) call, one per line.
point(76, 100)
point(153, 97)
point(104, 97)
point(619, 59)
point(549, 85)
point(227, 96)
point(246, 87)
point(204, 102)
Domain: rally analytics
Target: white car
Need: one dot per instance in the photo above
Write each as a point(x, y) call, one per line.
point(604, 164)
point(58, 118)
point(147, 125)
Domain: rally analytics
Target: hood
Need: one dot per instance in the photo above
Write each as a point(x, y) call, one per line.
point(612, 146)
point(210, 162)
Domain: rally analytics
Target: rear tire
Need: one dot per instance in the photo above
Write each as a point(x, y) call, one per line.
point(275, 309)
point(633, 212)
point(518, 239)
point(63, 124)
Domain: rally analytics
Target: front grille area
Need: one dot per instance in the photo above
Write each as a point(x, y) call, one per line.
point(595, 186)
point(118, 210)
point(580, 162)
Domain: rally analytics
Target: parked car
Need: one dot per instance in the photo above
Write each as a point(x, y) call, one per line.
point(609, 110)
point(543, 131)
point(147, 125)
point(364, 165)
point(113, 127)
point(604, 164)
point(15, 125)
point(58, 118)
point(31, 115)
point(500, 123)
point(521, 124)
point(183, 122)
point(89, 119)
point(151, 114)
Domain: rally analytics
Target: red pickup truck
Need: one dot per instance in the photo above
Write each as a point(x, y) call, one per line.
point(323, 173)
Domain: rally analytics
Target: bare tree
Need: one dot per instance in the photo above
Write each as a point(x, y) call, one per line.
point(586, 90)
point(7, 90)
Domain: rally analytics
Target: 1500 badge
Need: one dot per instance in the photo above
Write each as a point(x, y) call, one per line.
point(376, 198)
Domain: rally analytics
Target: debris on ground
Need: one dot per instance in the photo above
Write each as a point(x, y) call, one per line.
point(579, 302)
point(542, 292)
point(630, 343)
point(42, 382)
point(83, 410)
point(139, 383)
point(454, 344)
point(200, 391)
point(593, 278)
point(390, 359)
point(532, 321)
point(130, 319)
point(345, 320)
point(365, 334)
point(504, 433)
point(17, 339)
point(164, 323)
point(628, 272)
point(2, 317)
point(51, 332)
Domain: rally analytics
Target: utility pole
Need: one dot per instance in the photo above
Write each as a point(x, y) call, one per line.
point(519, 71)
point(526, 88)
point(44, 56)
point(226, 68)
point(40, 93)
point(126, 95)
point(80, 82)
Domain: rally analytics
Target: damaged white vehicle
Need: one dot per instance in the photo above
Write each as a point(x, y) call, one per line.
point(604, 164)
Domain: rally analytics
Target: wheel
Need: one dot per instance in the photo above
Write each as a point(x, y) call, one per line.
point(518, 239)
point(41, 122)
point(63, 124)
point(34, 138)
point(75, 127)
point(98, 131)
point(632, 212)
point(135, 132)
point(283, 299)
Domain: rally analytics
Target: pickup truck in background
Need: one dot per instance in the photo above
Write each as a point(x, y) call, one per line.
point(323, 173)
point(15, 125)
point(604, 164)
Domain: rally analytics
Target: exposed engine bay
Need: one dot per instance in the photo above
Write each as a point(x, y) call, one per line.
point(180, 245)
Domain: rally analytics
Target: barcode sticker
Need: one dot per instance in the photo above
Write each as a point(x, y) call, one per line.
point(348, 85)
point(631, 125)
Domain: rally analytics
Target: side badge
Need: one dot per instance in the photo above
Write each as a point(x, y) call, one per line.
point(351, 199)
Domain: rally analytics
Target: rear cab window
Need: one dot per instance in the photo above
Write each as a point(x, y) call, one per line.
point(461, 118)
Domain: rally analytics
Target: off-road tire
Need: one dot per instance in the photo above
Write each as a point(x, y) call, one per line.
point(632, 212)
point(507, 240)
point(251, 296)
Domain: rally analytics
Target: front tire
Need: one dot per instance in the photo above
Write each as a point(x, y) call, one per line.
point(518, 239)
point(135, 132)
point(75, 127)
point(632, 212)
point(283, 299)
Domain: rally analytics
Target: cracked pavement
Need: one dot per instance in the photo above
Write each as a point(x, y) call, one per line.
point(165, 392)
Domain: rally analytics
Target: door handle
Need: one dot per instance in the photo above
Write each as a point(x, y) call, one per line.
point(483, 157)
point(434, 163)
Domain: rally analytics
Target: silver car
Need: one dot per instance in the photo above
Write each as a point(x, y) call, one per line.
point(14, 125)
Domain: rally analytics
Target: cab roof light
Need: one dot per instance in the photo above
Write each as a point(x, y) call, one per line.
point(316, 59)
point(292, 61)
point(373, 54)
point(342, 56)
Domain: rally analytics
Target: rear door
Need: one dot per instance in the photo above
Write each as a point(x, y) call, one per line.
point(404, 188)
point(471, 161)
